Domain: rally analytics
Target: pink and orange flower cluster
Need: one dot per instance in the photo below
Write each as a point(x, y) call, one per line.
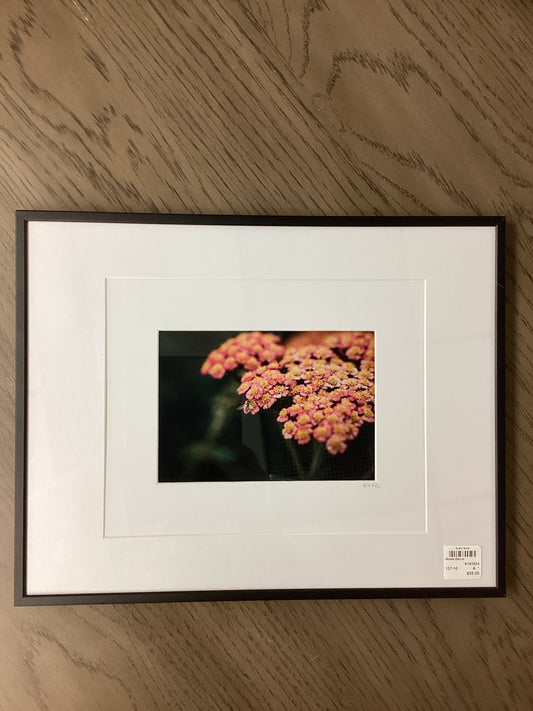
point(325, 390)
point(248, 350)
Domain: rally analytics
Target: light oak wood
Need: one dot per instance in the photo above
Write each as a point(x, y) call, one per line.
point(263, 106)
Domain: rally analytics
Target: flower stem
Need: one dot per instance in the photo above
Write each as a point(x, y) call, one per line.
point(295, 458)
point(318, 451)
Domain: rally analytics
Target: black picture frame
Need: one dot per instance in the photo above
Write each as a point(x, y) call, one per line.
point(25, 218)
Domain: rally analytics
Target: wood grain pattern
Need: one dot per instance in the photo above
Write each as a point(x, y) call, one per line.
point(270, 107)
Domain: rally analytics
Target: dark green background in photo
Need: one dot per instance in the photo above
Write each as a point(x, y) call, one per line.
point(204, 436)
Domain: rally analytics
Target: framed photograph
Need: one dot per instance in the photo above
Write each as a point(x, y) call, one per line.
point(216, 407)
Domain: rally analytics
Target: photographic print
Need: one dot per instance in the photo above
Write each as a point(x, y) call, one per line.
point(244, 406)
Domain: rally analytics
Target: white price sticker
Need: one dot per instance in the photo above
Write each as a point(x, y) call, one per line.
point(462, 562)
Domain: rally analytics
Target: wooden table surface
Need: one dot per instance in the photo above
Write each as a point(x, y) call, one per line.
point(310, 107)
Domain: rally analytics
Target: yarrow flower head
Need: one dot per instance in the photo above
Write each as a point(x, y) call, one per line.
point(247, 350)
point(331, 396)
point(324, 391)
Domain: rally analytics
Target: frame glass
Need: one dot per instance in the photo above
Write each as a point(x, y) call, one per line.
point(221, 407)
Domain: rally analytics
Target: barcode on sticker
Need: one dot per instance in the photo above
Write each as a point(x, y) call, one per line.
point(462, 554)
point(461, 562)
